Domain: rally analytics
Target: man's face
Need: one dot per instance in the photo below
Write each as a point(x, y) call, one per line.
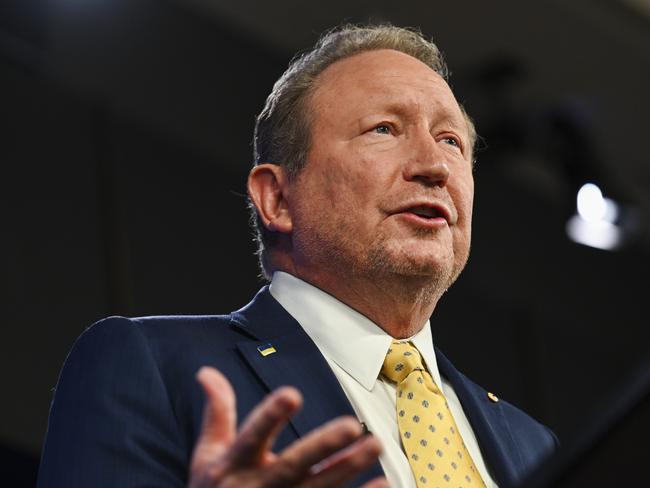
point(387, 186)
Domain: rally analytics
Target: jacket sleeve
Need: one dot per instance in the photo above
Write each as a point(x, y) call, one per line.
point(111, 421)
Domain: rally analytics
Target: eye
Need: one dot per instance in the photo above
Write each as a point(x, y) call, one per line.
point(452, 141)
point(382, 129)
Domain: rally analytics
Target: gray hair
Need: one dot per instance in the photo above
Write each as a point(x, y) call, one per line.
point(283, 128)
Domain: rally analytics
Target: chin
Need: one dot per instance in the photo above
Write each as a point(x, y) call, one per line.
point(434, 270)
point(413, 265)
point(434, 261)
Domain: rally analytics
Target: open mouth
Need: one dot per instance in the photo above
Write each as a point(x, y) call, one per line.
point(427, 212)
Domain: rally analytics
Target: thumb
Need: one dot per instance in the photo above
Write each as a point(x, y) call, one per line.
point(219, 416)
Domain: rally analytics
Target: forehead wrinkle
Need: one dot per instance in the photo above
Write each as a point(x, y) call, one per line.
point(336, 76)
point(441, 115)
point(398, 103)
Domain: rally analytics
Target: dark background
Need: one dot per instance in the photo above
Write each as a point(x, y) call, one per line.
point(125, 145)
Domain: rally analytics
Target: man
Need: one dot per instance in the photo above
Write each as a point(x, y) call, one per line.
point(362, 191)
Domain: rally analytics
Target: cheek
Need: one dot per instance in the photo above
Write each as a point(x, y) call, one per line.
point(351, 182)
point(465, 198)
point(335, 182)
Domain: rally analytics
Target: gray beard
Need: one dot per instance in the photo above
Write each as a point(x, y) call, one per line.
point(415, 281)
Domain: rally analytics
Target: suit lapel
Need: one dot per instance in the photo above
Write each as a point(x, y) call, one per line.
point(489, 424)
point(296, 361)
point(299, 363)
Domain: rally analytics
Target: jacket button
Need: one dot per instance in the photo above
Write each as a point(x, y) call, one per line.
point(492, 397)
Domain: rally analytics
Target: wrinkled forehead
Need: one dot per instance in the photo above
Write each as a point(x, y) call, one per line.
point(383, 79)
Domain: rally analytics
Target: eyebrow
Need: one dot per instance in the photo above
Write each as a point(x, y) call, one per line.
point(443, 115)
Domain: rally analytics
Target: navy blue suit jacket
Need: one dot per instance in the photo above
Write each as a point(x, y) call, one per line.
point(127, 409)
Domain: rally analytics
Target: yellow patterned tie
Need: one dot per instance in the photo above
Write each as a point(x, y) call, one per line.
point(433, 445)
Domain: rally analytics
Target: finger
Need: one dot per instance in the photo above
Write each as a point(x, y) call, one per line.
point(377, 483)
point(262, 425)
point(346, 465)
point(219, 416)
point(317, 446)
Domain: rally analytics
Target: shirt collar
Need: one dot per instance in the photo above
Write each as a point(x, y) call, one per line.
point(342, 334)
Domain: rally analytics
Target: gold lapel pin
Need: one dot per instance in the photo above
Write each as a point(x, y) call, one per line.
point(492, 397)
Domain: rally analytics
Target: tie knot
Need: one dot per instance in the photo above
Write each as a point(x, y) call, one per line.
point(401, 359)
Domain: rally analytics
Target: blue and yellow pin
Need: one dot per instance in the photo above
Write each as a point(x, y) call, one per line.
point(266, 349)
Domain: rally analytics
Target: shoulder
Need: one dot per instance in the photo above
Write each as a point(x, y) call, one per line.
point(117, 339)
point(153, 325)
point(140, 362)
point(155, 332)
point(162, 346)
point(123, 389)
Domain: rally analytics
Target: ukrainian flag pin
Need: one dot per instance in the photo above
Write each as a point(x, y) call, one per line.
point(266, 349)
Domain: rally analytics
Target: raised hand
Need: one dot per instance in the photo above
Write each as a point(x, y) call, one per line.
point(329, 456)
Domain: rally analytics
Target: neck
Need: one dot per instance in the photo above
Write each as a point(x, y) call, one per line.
point(400, 305)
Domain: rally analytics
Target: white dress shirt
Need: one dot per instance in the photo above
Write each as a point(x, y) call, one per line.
point(355, 348)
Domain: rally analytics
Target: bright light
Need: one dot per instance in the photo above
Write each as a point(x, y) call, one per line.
point(594, 224)
point(611, 211)
point(591, 204)
point(600, 234)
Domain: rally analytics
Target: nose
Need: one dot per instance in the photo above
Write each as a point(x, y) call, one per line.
point(427, 161)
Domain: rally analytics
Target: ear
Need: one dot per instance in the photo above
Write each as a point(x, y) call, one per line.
point(267, 188)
